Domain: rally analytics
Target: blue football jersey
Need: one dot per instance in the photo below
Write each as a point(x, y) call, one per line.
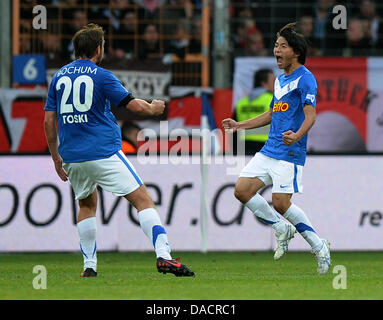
point(291, 93)
point(81, 93)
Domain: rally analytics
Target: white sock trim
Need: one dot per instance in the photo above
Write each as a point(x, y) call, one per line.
point(87, 224)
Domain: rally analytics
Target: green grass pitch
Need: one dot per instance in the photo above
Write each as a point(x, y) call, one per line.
point(219, 275)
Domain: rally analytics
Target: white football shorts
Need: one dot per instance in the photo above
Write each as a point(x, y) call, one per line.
point(115, 174)
point(286, 177)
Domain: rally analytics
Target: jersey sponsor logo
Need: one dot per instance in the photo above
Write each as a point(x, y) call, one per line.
point(280, 106)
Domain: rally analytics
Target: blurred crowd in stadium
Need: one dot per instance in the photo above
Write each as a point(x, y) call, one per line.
point(133, 28)
point(256, 26)
point(155, 28)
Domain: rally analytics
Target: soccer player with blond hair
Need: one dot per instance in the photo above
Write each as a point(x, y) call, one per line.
point(89, 152)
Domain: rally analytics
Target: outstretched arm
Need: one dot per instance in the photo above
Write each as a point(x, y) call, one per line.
point(262, 120)
point(142, 107)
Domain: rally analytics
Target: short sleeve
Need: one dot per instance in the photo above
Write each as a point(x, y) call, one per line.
point(113, 89)
point(308, 87)
point(51, 103)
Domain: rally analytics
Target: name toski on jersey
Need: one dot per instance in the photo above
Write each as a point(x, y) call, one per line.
point(77, 118)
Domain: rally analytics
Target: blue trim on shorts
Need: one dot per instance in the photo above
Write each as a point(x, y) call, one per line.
point(130, 169)
point(295, 178)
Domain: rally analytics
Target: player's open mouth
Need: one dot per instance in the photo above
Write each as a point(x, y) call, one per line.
point(279, 59)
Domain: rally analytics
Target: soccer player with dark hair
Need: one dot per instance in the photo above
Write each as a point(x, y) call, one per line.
point(89, 153)
point(280, 162)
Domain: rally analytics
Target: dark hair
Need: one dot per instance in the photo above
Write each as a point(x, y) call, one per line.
point(87, 39)
point(261, 76)
point(295, 40)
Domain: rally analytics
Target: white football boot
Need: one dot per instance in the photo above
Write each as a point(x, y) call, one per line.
point(283, 240)
point(323, 257)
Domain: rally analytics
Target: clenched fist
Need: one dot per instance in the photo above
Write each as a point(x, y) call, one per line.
point(289, 138)
point(158, 107)
point(230, 125)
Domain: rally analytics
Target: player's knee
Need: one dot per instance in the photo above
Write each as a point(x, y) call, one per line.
point(241, 194)
point(281, 202)
point(280, 205)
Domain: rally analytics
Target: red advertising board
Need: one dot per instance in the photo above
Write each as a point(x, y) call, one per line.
point(342, 88)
